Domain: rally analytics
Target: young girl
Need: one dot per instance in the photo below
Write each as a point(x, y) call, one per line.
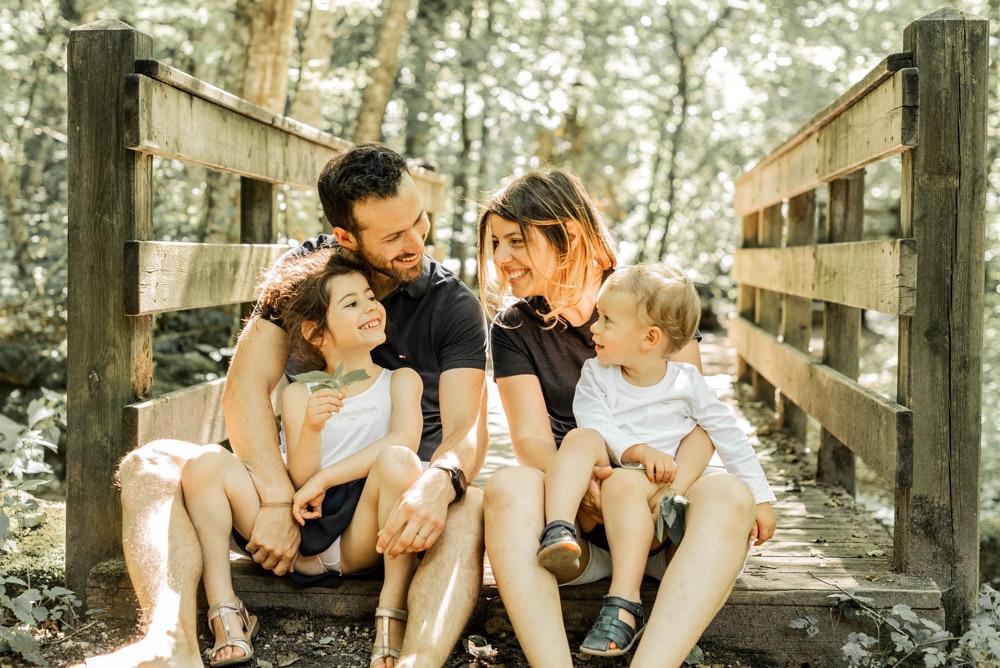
point(633, 406)
point(350, 452)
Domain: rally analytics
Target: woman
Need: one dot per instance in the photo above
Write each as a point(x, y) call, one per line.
point(552, 251)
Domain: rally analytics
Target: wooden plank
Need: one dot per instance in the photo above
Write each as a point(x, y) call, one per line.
point(180, 103)
point(835, 463)
point(875, 275)
point(109, 354)
point(880, 123)
point(875, 428)
point(796, 312)
point(945, 183)
point(193, 414)
point(170, 276)
point(768, 303)
point(172, 123)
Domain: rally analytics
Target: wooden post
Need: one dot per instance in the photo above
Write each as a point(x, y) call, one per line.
point(796, 312)
point(943, 205)
point(841, 325)
point(746, 296)
point(768, 303)
point(110, 354)
point(258, 219)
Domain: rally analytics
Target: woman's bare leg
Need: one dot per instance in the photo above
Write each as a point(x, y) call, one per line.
point(701, 573)
point(514, 518)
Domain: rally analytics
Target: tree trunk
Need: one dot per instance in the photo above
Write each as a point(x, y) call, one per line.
point(259, 54)
point(318, 32)
point(376, 95)
point(268, 26)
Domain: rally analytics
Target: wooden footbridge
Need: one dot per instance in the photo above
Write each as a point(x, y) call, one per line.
point(803, 245)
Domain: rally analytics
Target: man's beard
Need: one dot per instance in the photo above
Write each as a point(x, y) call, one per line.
point(387, 268)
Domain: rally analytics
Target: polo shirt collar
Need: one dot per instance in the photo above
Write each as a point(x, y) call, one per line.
point(418, 286)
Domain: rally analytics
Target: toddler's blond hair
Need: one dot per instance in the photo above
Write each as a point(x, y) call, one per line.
point(664, 297)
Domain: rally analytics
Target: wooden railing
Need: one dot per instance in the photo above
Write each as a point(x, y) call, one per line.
point(927, 106)
point(124, 108)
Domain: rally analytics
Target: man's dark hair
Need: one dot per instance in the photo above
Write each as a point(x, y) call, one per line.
point(366, 171)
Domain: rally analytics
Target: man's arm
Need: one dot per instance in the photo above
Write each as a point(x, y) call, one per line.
point(256, 370)
point(424, 506)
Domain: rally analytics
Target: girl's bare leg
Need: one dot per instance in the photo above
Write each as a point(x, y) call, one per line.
point(701, 573)
point(219, 494)
point(394, 470)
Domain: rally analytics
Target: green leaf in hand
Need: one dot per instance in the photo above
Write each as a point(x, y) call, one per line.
point(320, 380)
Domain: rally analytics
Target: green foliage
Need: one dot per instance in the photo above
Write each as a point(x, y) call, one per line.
point(320, 380)
point(903, 638)
point(26, 610)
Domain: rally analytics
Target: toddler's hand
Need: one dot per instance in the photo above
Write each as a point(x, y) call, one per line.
point(321, 406)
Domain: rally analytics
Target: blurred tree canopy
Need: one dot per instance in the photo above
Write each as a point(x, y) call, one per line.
point(658, 105)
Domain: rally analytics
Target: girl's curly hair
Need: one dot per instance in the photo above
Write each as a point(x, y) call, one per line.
point(295, 292)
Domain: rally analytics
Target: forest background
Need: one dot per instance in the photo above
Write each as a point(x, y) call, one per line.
point(657, 105)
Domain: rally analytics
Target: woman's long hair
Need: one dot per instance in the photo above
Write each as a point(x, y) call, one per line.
point(541, 203)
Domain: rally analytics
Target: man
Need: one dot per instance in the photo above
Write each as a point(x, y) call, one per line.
point(435, 326)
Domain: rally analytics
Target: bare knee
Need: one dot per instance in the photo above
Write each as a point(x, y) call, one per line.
point(396, 462)
point(206, 467)
point(153, 470)
point(726, 497)
point(624, 482)
point(512, 486)
point(586, 440)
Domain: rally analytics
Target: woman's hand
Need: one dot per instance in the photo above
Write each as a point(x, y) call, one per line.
point(590, 506)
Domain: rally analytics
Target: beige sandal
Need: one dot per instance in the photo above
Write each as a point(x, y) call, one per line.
point(383, 651)
point(223, 610)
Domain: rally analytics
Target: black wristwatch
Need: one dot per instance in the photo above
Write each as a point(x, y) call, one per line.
point(458, 480)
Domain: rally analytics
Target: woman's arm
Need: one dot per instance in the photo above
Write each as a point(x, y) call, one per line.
point(530, 430)
point(691, 353)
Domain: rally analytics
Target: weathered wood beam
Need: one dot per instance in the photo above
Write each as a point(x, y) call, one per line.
point(171, 276)
point(169, 416)
point(173, 115)
point(880, 123)
point(875, 275)
point(877, 429)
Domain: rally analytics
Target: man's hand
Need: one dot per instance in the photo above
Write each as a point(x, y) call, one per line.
point(418, 517)
point(764, 524)
point(274, 541)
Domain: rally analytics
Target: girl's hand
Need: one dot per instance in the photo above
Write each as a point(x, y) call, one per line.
point(321, 406)
point(307, 504)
